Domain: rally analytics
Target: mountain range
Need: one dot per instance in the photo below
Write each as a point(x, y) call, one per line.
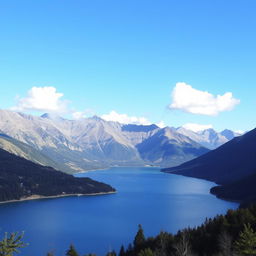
point(93, 143)
point(209, 138)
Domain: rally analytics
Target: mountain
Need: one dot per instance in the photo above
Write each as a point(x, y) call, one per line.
point(166, 146)
point(92, 143)
point(232, 165)
point(28, 152)
point(230, 134)
point(21, 179)
point(209, 138)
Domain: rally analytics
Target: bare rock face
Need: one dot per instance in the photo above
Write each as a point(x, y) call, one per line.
point(91, 143)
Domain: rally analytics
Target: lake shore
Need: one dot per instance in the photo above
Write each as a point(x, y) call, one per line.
point(39, 197)
point(108, 168)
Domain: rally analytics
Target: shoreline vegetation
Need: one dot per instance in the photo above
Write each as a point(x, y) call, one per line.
point(39, 197)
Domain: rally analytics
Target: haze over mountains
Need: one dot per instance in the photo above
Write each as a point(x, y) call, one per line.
point(91, 143)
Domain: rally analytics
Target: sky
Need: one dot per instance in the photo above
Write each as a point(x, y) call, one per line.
point(170, 62)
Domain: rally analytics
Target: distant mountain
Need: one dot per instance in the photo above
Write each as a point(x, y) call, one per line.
point(166, 146)
point(232, 165)
point(230, 134)
point(92, 143)
point(21, 179)
point(209, 138)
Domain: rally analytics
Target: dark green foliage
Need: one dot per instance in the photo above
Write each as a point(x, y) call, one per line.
point(11, 243)
point(22, 178)
point(146, 252)
point(72, 251)
point(182, 246)
point(122, 251)
point(246, 243)
point(225, 244)
point(139, 238)
point(214, 237)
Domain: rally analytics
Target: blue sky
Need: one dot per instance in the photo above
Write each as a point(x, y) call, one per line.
point(128, 56)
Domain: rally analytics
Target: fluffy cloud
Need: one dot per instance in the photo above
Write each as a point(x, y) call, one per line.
point(188, 99)
point(78, 115)
point(197, 127)
point(161, 124)
point(125, 119)
point(45, 99)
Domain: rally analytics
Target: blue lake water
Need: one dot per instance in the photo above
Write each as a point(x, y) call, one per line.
point(97, 224)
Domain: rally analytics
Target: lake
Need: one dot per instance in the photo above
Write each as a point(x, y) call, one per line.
point(97, 224)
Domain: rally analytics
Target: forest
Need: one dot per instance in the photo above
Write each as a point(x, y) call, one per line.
point(20, 178)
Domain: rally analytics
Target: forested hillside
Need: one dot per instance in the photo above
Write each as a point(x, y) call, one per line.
point(20, 178)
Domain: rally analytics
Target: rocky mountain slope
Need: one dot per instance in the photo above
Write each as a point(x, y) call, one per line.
point(28, 152)
point(92, 143)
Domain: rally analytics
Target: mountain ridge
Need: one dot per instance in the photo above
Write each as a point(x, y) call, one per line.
point(93, 143)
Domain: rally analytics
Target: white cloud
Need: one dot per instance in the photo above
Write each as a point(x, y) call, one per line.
point(188, 99)
point(161, 124)
point(78, 115)
point(197, 127)
point(241, 132)
point(125, 119)
point(45, 99)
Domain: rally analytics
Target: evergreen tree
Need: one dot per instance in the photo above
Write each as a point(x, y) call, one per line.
point(11, 243)
point(72, 251)
point(146, 252)
point(139, 238)
point(183, 246)
point(246, 243)
point(225, 244)
point(122, 251)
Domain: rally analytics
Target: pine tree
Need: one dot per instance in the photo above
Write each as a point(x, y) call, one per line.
point(146, 252)
point(10, 244)
point(225, 244)
point(246, 243)
point(122, 251)
point(72, 251)
point(139, 238)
